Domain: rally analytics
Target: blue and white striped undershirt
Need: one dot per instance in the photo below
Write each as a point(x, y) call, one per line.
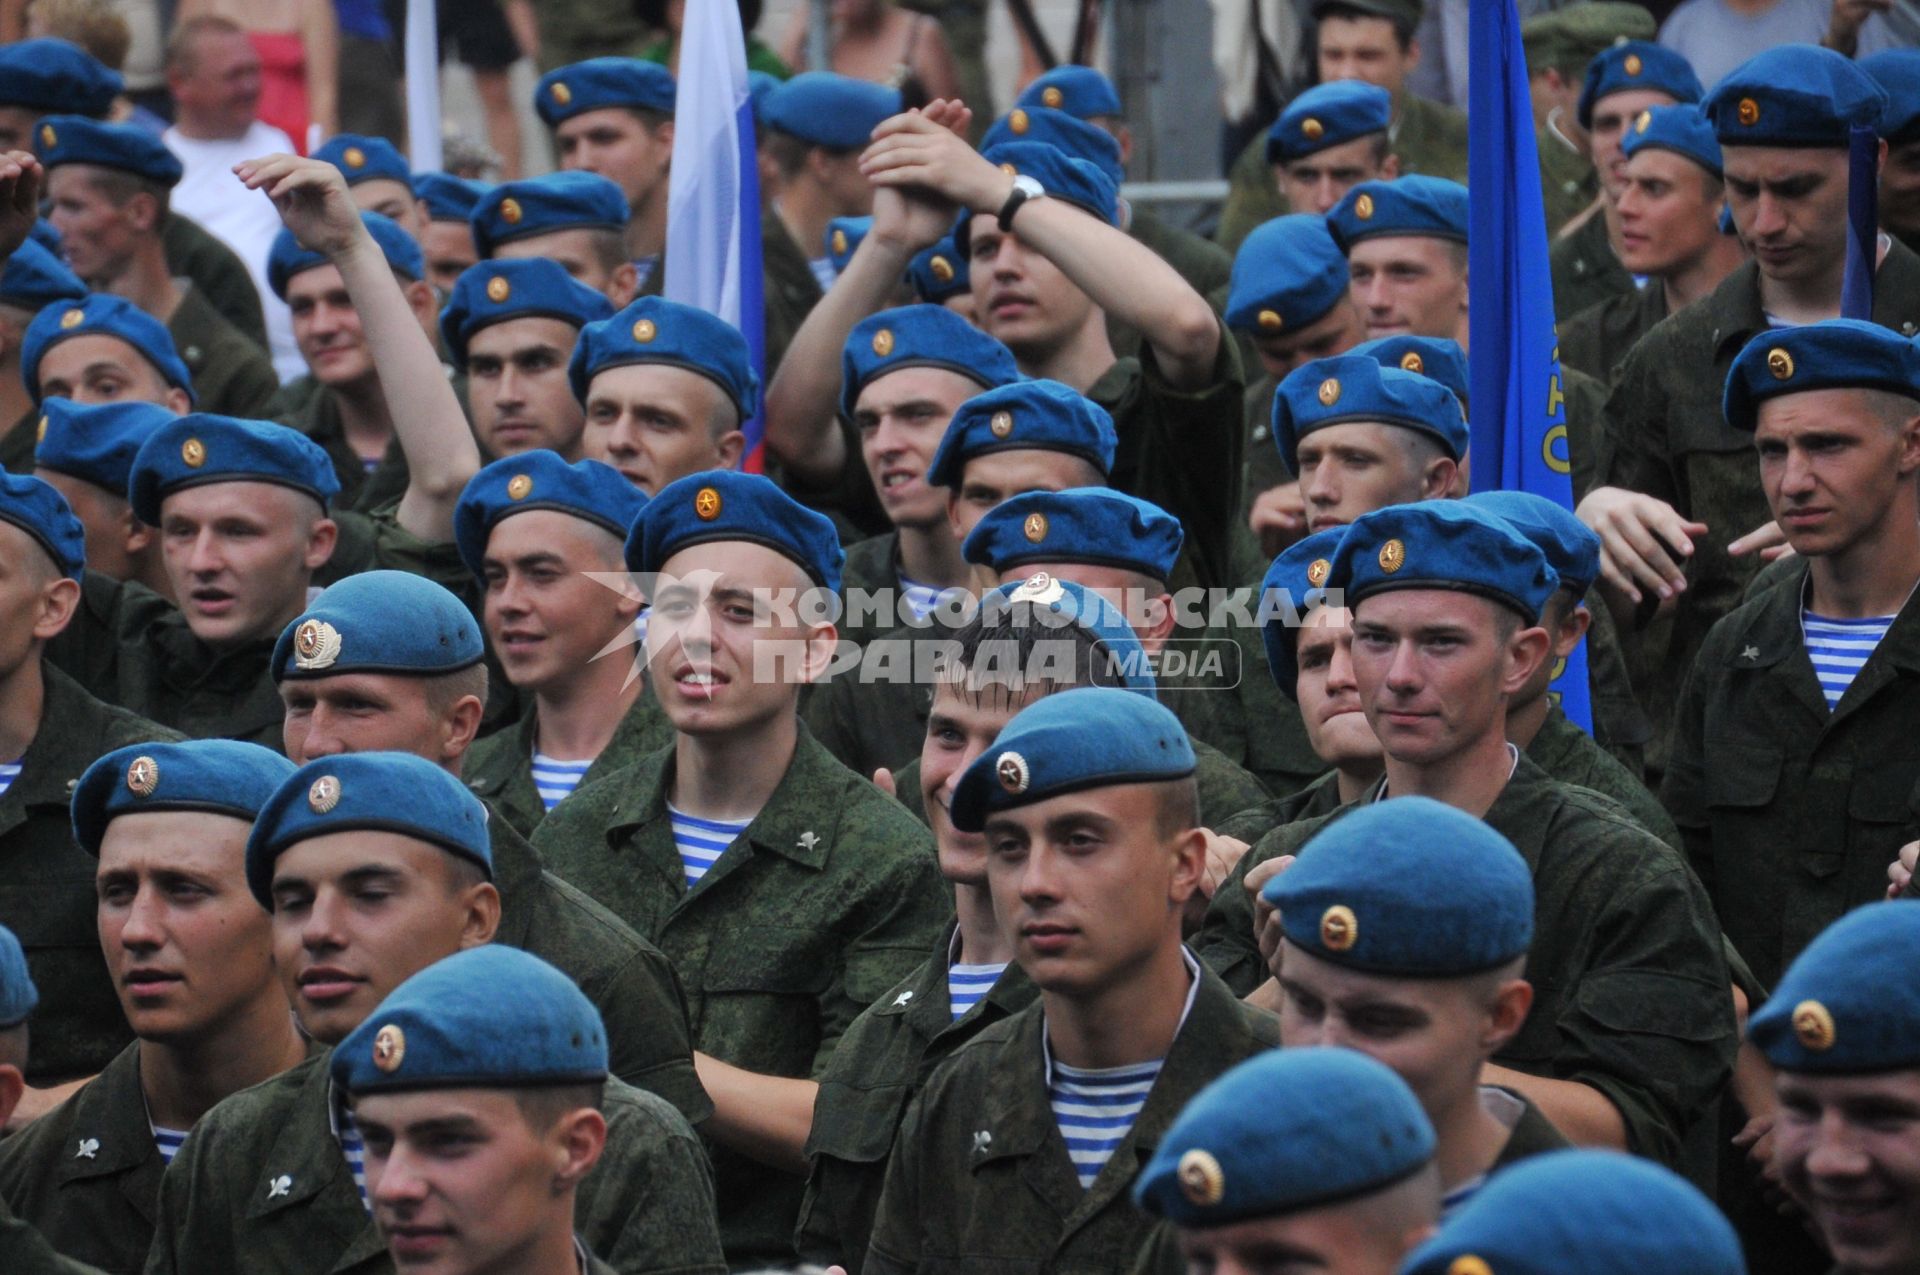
point(967, 985)
point(921, 599)
point(9, 771)
point(352, 1148)
point(823, 272)
point(555, 779)
point(702, 841)
point(167, 1141)
point(1839, 649)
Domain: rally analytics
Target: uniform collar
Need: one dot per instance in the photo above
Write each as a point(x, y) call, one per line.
point(53, 763)
point(1736, 315)
point(110, 1132)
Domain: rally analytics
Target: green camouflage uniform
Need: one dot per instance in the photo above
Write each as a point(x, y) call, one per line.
point(1597, 339)
point(499, 767)
point(46, 882)
point(1585, 269)
point(314, 410)
point(231, 375)
point(17, 444)
point(24, 1251)
point(791, 291)
point(217, 273)
point(575, 30)
point(1568, 179)
point(261, 1185)
point(980, 1178)
point(1630, 983)
point(829, 898)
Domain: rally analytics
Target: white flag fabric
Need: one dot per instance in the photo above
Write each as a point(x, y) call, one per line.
point(423, 86)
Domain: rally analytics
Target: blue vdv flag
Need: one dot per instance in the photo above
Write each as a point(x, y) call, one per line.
point(1519, 420)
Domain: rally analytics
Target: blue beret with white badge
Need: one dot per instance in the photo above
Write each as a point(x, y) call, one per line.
point(379, 622)
point(1683, 129)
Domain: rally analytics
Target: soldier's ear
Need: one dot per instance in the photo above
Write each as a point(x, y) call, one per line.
point(12, 1086)
point(579, 1138)
point(1526, 651)
point(57, 605)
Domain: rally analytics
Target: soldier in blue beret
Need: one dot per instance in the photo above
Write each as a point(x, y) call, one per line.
point(1081, 91)
point(1322, 1155)
point(1360, 436)
point(576, 218)
point(938, 276)
point(332, 830)
point(47, 75)
point(1841, 1037)
point(1088, 806)
point(446, 233)
point(35, 277)
point(512, 327)
point(86, 453)
point(109, 186)
point(1406, 248)
point(1028, 435)
point(378, 176)
point(614, 117)
point(1411, 913)
point(1420, 577)
point(1126, 544)
point(666, 388)
point(1064, 132)
point(1897, 72)
point(741, 580)
point(32, 279)
point(1583, 1213)
point(101, 348)
point(1034, 292)
point(1328, 140)
point(843, 237)
point(190, 954)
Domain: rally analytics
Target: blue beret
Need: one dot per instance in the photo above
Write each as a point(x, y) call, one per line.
point(361, 158)
point(843, 236)
point(834, 111)
point(1793, 95)
point(1287, 274)
point(655, 330)
point(202, 448)
point(1897, 72)
point(1037, 415)
point(1087, 610)
point(1080, 91)
point(212, 776)
point(939, 272)
point(53, 75)
point(1328, 115)
point(448, 198)
point(515, 288)
point(920, 336)
point(1356, 387)
point(1581, 1212)
point(1300, 572)
point(1097, 526)
point(1683, 129)
point(598, 83)
point(287, 258)
point(1637, 66)
point(1432, 207)
point(1572, 548)
point(1286, 1130)
point(1442, 544)
point(18, 996)
point(587, 489)
point(35, 278)
point(723, 504)
point(46, 234)
point(759, 85)
point(1072, 136)
point(1831, 354)
point(385, 792)
point(96, 443)
point(1437, 358)
point(33, 505)
point(1407, 887)
point(489, 1017)
point(1849, 1001)
point(379, 622)
point(574, 200)
point(1096, 737)
point(102, 314)
point(1064, 177)
point(75, 139)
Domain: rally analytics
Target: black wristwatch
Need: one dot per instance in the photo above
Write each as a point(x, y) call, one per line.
point(1024, 188)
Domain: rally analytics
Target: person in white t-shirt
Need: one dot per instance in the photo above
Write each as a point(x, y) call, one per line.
point(214, 75)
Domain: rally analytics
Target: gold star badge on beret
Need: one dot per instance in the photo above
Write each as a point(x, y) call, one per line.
point(1813, 1026)
point(1201, 1179)
point(324, 795)
point(1312, 129)
point(1009, 170)
point(354, 157)
point(839, 240)
point(942, 269)
point(40, 434)
point(1780, 363)
point(1393, 556)
point(1748, 112)
point(1317, 572)
point(883, 342)
point(1330, 391)
point(644, 330)
point(1412, 362)
point(1052, 96)
point(1363, 207)
point(498, 289)
point(47, 136)
point(1035, 527)
point(1339, 928)
point(1641, 121)
point(143, 776)
point(560, 93)
point(1469, 1265)
point(1001, 425)
point(1018, 121)
point(389, 1048)
point(316, 645)
point(73, 318)
point(1270, 320)
point(518, 486)
point(1632, 65)
point(193, 453)
point(510, 211)
point(1011, 770)
point(706, 504)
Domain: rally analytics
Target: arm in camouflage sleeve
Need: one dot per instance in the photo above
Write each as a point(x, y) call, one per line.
point(1681, 791)
point(895, 1249)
